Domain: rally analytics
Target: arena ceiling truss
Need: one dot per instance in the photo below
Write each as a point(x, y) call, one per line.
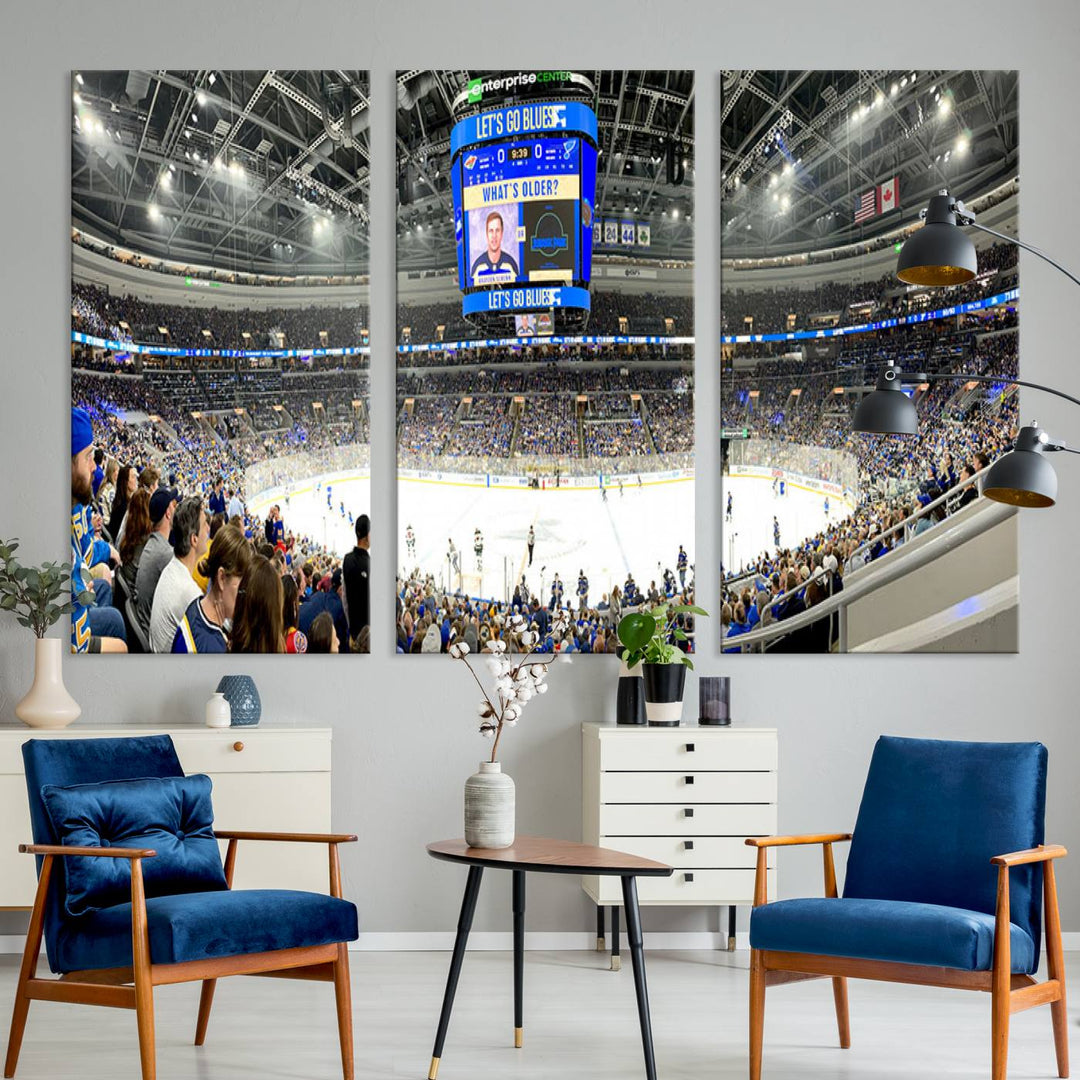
point(640, 115)
point(799, 147)
point(257, 171)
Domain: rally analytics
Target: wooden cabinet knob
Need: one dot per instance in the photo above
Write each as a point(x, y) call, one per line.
point(238, 746)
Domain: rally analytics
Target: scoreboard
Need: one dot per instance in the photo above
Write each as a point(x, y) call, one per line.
point(523, 179)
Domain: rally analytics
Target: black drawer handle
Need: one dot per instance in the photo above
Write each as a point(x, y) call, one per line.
point(688, 812)
point(688, 845)
point(689, 878)
point(688, 779)
point(689, 747)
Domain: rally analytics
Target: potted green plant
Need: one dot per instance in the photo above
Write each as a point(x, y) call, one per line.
point(38, 596)
point(651, 638)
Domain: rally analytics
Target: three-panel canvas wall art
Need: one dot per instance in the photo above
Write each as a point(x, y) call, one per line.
point(544, 356)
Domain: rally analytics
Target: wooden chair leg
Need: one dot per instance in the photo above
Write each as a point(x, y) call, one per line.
point(839, 989)
point(1001, 981)
point(343, 993)
point(144, 987)
point(757, 1011)
point(1055, 968)
point(28, 969)
point(206, 1000)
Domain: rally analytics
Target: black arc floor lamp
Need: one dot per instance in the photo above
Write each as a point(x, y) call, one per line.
point(941, 253)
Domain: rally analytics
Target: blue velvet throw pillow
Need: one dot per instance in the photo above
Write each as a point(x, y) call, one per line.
point(171, 815)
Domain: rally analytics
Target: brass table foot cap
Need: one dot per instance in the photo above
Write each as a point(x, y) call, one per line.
point(433, 1072)
point(518, 1038)
point(600, 947)
point(730, 944)
point(616, 963)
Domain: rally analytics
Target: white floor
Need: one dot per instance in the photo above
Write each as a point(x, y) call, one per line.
point(580, 1021)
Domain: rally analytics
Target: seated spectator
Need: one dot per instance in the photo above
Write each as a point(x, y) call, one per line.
point(202, 628)
point(322, 637)
point(157, 553)
point(176, 587)
point(258, 625)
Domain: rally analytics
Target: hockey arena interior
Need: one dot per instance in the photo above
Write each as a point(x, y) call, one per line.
point(219, 313)
point(537, 474)
point(815, 165)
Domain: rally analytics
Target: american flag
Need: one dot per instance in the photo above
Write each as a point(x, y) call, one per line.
point(866, 207)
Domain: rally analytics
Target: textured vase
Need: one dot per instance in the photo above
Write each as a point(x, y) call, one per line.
point(630, 699)
point(218, 711)
point(489, 807)
point(48, 704)
point(243, 699)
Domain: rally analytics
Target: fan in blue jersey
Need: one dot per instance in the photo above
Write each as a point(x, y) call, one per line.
point(493, 262)
point(681, 564)
point(582, 590)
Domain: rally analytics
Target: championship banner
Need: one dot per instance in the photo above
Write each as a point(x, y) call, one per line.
point(626, 235)
point(597, 232)
point(611, 231)
point(643, 235)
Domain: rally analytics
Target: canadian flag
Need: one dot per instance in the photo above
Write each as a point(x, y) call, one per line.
point(888, 195)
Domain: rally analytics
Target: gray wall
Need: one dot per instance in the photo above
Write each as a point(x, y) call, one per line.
point(403, 727)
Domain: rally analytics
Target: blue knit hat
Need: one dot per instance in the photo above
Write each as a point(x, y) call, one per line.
point(82, 431)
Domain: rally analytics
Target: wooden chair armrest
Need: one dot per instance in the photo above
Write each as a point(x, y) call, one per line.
point(792, 841)
point(100, 852)
point(300, 838)
point(1042, 853)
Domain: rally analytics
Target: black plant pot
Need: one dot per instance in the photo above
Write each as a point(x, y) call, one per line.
point(630, 701)
point(664, 685)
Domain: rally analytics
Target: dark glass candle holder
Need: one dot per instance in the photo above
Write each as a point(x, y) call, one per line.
point(714, 700)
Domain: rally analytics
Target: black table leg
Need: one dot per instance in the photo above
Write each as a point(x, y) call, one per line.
point(599, 927)
point(519, 955)
point(468, 908)
point(731, 927)
point(637, 957)
point(616, 959)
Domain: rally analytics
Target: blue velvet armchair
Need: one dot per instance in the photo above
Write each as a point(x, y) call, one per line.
point(945, 875)
point(132, 893)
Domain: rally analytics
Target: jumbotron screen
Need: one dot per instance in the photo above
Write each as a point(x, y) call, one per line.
point(524, 184)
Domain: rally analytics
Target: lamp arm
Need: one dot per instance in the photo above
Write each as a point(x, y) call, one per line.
point(992, 379)
point(966, 219)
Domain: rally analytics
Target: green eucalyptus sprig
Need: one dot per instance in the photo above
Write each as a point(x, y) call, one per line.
point(32, 592)
point(645, 636)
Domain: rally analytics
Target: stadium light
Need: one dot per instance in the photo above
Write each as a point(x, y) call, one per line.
point(1022, 477)
point(940, 253)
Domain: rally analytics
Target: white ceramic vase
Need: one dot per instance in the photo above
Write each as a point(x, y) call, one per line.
point(48, 704)
point(489, 808)
point(218, 711)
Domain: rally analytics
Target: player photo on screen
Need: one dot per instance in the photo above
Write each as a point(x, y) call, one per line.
point(843, 531)
point(494, 247)
point(220, 476)
point(545, 388)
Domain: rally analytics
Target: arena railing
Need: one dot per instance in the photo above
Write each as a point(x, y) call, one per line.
point(545, 466)
point(947, 536)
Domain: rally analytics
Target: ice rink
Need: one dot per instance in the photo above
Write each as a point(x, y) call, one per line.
point(638, 531)
point(749, 531)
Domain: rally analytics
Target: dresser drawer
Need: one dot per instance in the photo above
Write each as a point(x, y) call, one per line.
point(688, 749)
point(705, 852)
point(687, 787)
point(670, 819)
point(261, 751)
point(709, 888)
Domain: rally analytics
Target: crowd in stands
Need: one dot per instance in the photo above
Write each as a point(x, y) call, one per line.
point(961, 431)
point(126, 318)
point(785, 309)
point(431, 619)
point(610, 313)
point(160, 564)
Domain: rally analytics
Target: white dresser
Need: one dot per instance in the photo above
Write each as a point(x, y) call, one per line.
point(686, 796)
point(271, 779)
